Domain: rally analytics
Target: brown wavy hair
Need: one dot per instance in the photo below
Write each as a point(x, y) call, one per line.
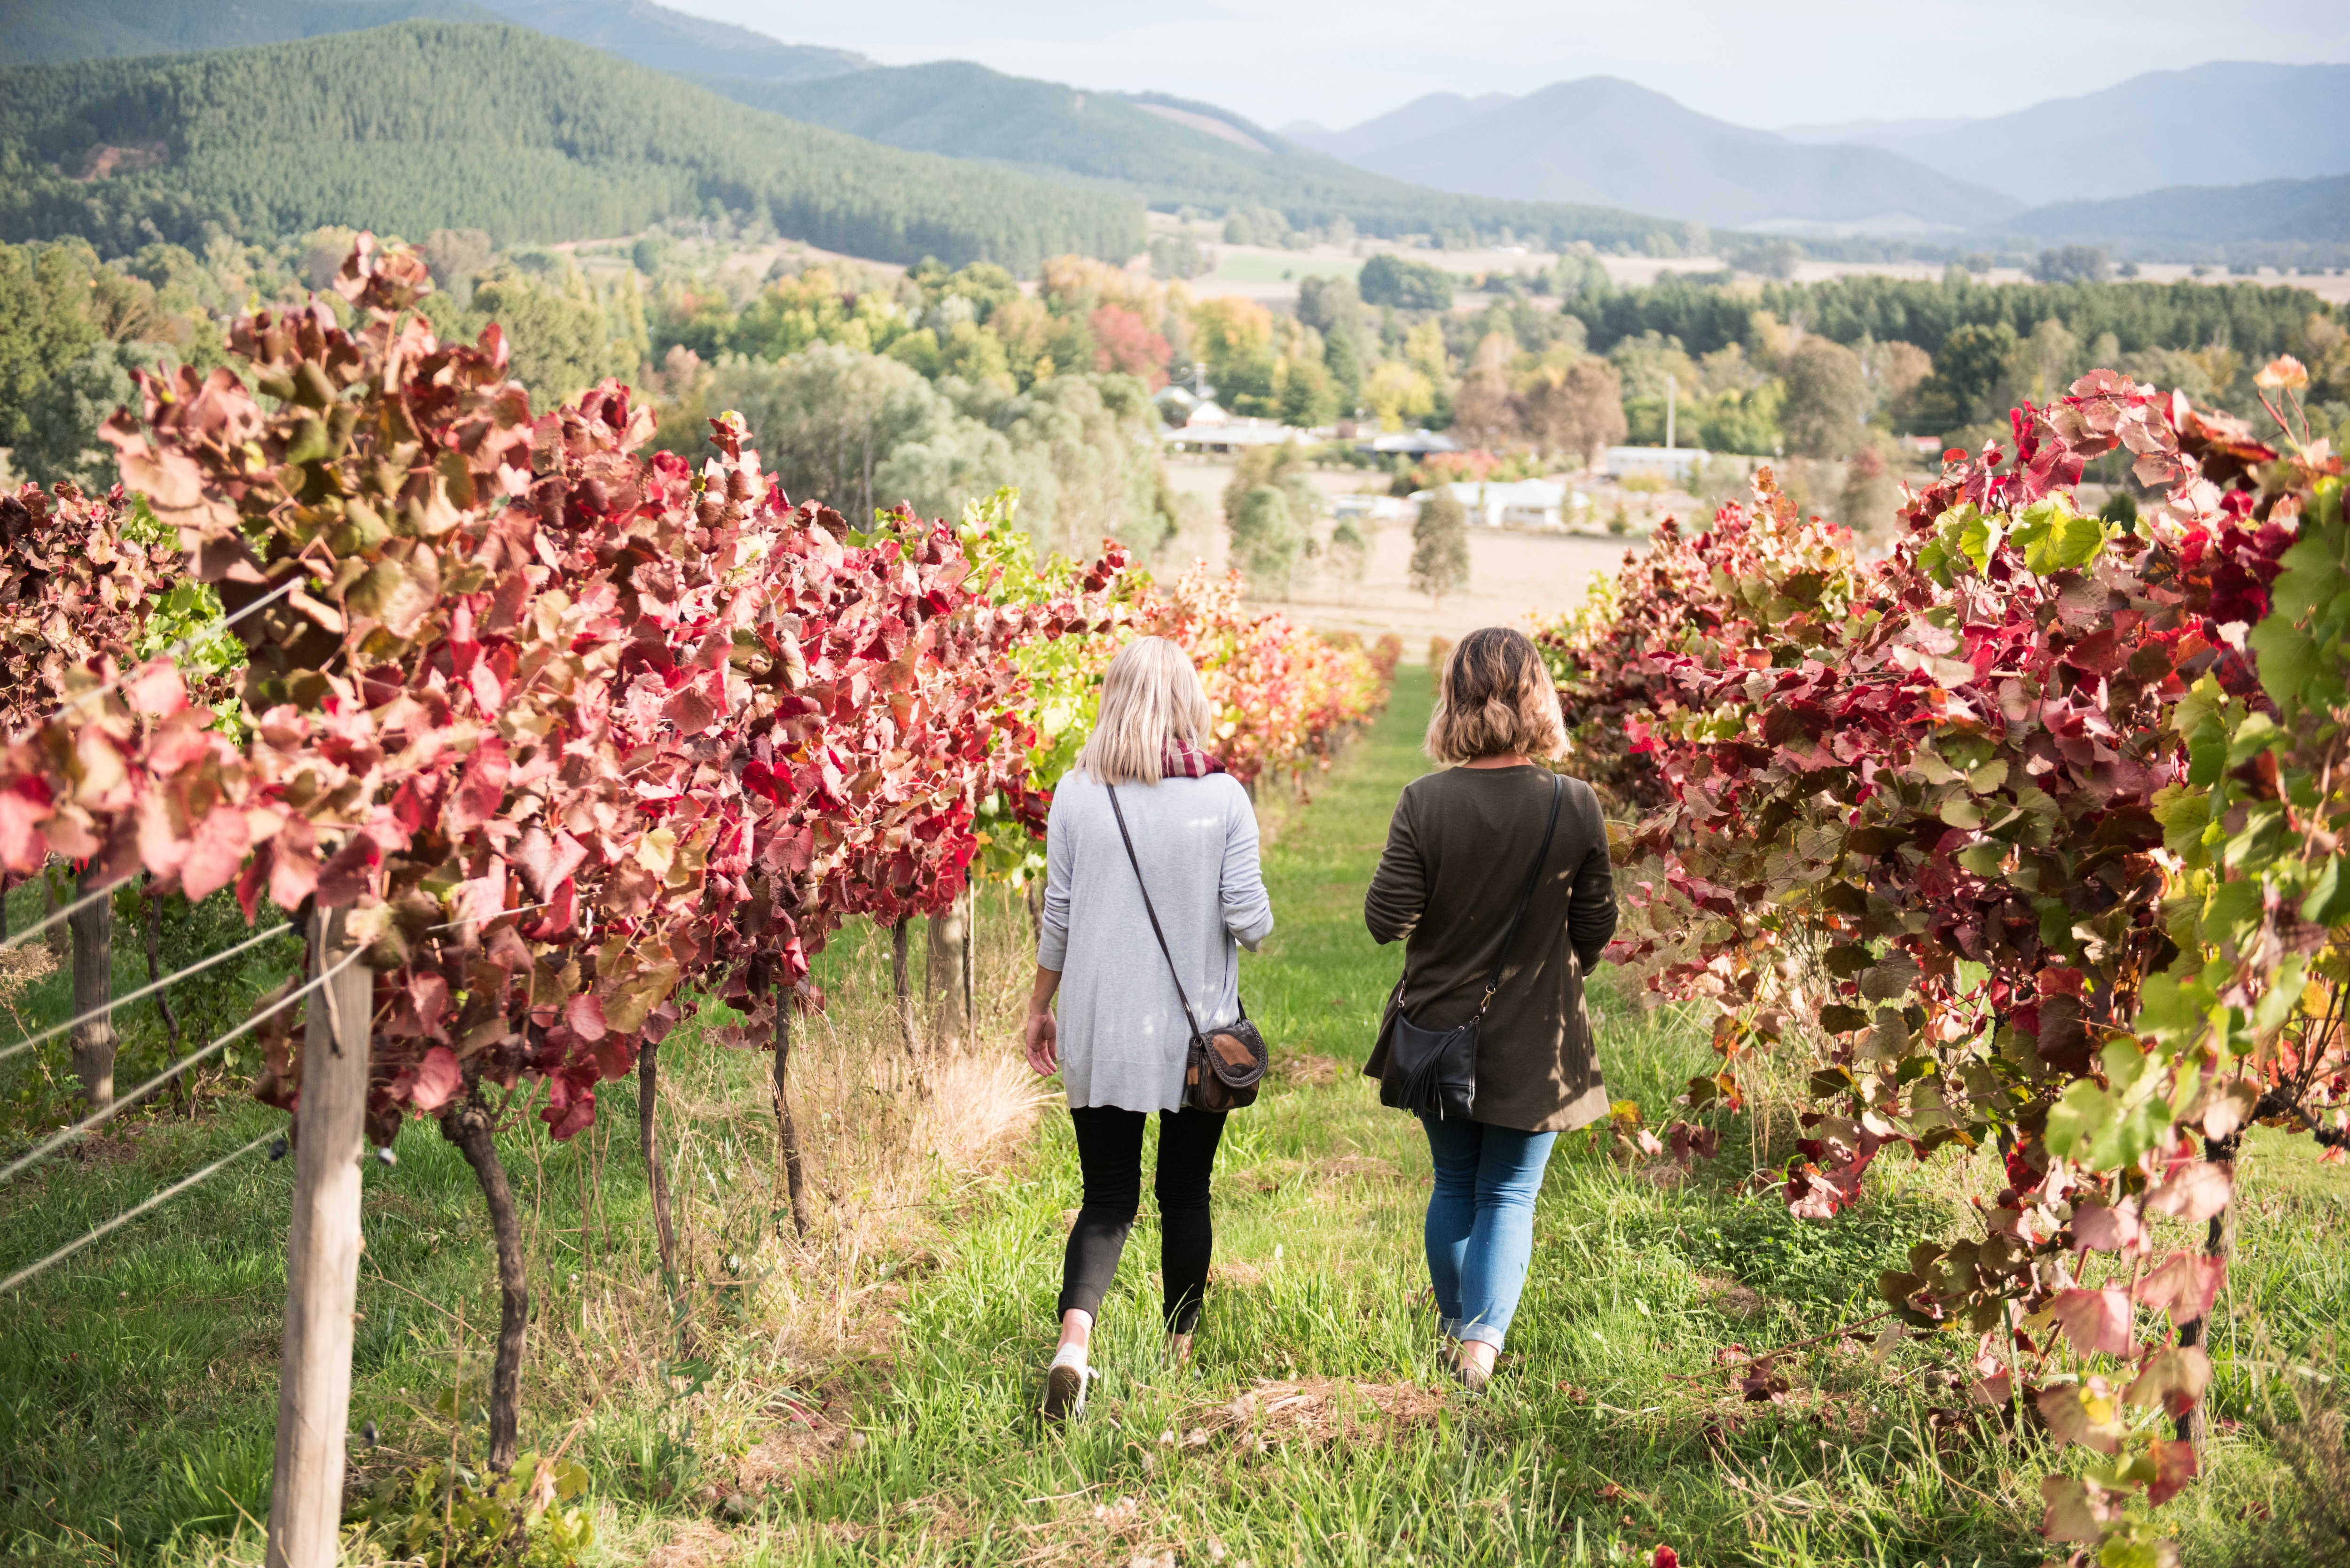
point(1497, 701)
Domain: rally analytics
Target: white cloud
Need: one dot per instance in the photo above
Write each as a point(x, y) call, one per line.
point(1822, 61)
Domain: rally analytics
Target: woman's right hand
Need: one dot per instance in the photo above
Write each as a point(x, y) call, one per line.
point(1043, 1040)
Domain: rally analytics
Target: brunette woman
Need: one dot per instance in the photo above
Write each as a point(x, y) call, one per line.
point(1459, 854)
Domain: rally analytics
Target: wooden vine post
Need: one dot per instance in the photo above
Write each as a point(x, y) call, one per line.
point(93, 987)
point(947, 977)
point(322, 1260)
point(787, 1133)
point(647, 1137)
point(902, 984)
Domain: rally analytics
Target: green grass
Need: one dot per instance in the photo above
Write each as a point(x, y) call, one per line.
point(1241, 266)
point(136, 1383)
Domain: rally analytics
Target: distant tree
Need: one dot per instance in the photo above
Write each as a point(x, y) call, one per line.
point(2073, 263)
point(566, 335)
point(1285, 467)
point(1123, 341)
point(1896, 371)
point(1306, 396)
point(1389, 279)
point(1345, 367)
point(456, 254)
point(1266, 540)
point(647, 255)
point(1828, 400)
point(44, 326)
point(1967, 369)
point(1350, 555)
point(1485, 412)
point(1238, 230)
point(1772, 258)
point(1176, 257)
point(1440, 546)
point(1578, 410)
point(1869, 496)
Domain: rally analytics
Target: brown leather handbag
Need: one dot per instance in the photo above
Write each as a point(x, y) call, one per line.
point(1225, 1063)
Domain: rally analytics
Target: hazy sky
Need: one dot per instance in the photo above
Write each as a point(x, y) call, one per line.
point(1757, 64)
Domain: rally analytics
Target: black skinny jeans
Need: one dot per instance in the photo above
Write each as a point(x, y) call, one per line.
point(1110, 1149)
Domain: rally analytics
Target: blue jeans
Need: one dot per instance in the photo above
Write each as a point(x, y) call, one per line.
point(1481, 1222)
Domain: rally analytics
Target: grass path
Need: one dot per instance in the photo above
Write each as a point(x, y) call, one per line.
point(1587, 1448)
point(137, 1385)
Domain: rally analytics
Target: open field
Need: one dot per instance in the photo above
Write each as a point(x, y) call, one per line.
point(1511, 574)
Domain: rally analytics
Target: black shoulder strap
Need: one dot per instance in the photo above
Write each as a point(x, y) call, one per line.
point(1525, 894)
point(1188, 1016)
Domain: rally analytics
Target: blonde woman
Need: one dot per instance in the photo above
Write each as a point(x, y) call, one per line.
point(1466, 846)
point(1120, 1036)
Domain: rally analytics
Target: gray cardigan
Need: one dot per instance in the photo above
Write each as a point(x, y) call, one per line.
point(1122, 1032)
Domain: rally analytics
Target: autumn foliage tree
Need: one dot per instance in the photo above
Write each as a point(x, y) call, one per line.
point(2033, 834)
point(575, 735)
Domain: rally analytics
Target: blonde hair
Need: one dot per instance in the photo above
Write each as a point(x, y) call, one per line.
point(1498, 701)
point(1151, 696)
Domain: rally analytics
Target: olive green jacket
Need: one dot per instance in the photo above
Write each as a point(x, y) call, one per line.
point(1457, 856)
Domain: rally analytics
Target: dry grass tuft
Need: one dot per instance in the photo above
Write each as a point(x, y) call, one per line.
point(1312, 1411)
point(1313, 1071)
point(694, 1545)
point(978, 1108)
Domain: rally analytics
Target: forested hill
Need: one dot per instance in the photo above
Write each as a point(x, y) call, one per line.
point(2253, 321)
point(636, 30)
point(1103, 141)
point(46, 30)
point(432, 125)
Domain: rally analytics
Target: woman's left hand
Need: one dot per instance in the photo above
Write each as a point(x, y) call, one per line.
point(1044, 1038)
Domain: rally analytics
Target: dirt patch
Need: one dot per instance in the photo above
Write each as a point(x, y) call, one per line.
point(695, 1545)
point(1318, 1072)
point(1237, 1274)
point(105, 160)
point(1729, 1297)
point(23, 966)
point(1361, 1167)
point(1268, 1176)
point(804, 1441)
point(1311, 1411)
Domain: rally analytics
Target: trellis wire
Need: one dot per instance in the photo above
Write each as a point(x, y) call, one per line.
point(124, 1102)
point(185, 643)
point(127, 1215)
point(75, 907)
point(31, 1040)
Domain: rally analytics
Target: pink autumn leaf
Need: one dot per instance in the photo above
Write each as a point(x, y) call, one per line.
point(2194, 1192)
point(2183, 1285)
point(586, 1016)
point(2174, 1379)
point(2095, 1321)
point(438, 1079)
point(2099, 1228)
point(2174, 1466)
point(2077, 1509)
point(2086, 1413)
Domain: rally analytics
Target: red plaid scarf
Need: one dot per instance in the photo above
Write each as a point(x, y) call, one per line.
point(1181, 760)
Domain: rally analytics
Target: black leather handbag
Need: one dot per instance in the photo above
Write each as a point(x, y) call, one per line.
point(1434, 1074)
point(1224, 1064)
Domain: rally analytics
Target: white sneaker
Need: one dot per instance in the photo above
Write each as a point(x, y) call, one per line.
point(1065, 1384)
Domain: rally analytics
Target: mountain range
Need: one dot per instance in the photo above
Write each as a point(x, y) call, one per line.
point(1166, 151)
point(41, 31)
point(2166, 163)
point(1605, 140)
point(2227, 123)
